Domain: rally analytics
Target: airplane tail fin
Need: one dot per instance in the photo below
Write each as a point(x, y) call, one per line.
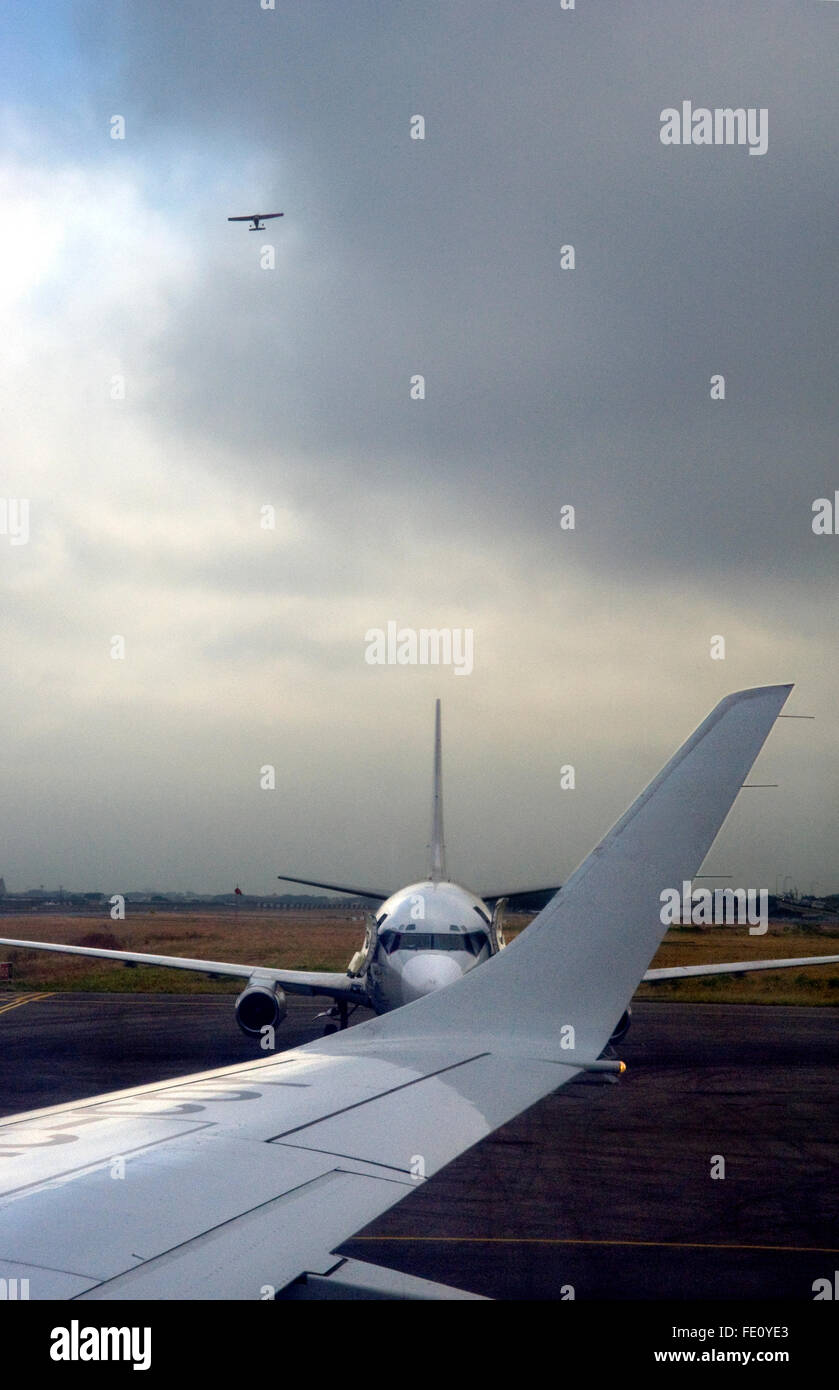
point(437, 852)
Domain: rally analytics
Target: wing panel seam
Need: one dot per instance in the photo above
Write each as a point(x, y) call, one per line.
point(392, 1090)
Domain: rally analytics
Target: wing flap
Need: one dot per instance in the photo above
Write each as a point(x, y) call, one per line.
point(262, 1250)
point(358, 1279)
point(168, 1194)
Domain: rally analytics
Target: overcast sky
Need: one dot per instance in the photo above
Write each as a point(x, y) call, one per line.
point(248, 387)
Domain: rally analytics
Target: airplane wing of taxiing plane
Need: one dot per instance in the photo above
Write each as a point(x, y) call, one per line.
point(243, 1181)
point(683, 972)
point(292, 981)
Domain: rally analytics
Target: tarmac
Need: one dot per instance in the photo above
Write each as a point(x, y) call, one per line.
point(601, 1191)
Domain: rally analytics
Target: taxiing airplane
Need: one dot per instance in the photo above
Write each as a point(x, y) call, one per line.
point(257, 219)
point(421, 938)
point(242, 1182)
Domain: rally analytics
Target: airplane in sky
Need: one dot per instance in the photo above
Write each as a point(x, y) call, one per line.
point(242, 1182)
point(257, 219)
point(421, 938)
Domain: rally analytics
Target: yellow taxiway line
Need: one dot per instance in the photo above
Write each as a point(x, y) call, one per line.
point(25, 999)
point(559, 1240)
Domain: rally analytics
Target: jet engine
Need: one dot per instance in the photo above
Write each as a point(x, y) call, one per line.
point(260, 1005)
point(622, 1027)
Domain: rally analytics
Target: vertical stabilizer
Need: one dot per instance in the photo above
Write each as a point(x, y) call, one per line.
point(437, 857)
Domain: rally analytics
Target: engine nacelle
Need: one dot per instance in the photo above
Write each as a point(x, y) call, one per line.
point(622, 1027)
point(260, 1005)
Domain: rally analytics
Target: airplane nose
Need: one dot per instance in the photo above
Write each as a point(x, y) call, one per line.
point(426, 972)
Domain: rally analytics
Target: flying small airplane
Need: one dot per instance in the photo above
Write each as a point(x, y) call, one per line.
point(257, 219)
point(422, 937)
point(242, 1182)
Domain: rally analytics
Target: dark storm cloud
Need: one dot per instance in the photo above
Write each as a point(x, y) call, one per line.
point(442, 256)
point(290, 388)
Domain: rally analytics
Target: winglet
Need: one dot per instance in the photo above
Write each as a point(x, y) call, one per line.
point(581, 959)
point(437, 857)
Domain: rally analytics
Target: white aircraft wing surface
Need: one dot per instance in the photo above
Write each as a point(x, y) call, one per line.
point(329, 982)
point(683, 972)
point(242, 1180)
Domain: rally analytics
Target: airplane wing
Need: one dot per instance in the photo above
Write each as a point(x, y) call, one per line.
point(243, 1181)
point(683, 972)
point(335, 984)
point(255, 216)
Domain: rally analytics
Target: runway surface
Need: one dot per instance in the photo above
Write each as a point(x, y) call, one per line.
point(605, 1189)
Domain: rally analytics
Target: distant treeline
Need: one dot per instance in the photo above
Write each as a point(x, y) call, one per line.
point(34, 898)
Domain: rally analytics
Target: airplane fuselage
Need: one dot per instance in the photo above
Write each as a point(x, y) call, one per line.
point(429, 934)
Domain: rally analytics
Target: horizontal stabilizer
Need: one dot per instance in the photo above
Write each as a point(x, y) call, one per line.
point(338, 887)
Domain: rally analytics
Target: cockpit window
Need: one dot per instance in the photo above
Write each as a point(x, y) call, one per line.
point(392, 940)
